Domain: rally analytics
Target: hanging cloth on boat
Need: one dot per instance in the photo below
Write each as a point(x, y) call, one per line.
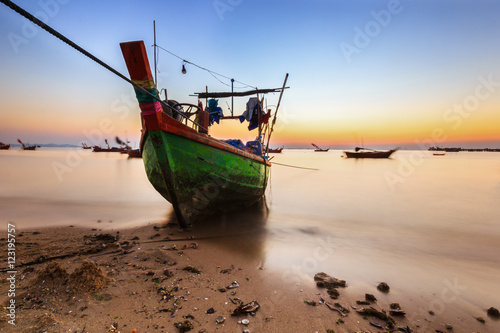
point(251, 114)
point(255, 147)
point(235, 143)
point(214, 111)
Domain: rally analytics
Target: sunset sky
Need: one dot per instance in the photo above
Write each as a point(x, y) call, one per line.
point(390, 73)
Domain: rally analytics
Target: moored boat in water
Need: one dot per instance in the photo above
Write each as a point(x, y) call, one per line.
point(4, 146)
point(27, 146)
point(108, 149)
point(197, 173)
point(135, 153)
point(319, 149)
point(361, 152)
point(275, 151)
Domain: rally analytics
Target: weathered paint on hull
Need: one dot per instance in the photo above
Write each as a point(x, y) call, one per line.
point(205, 179)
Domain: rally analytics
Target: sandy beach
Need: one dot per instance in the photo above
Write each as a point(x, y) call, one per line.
point(160, 278)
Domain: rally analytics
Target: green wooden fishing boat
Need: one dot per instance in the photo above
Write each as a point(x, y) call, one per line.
point(198, 174)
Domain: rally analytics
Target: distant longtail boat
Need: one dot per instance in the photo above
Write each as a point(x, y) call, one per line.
point(108, 149)
point(275, 151)
point(27, 147)
point(319, 149)
point(361, 152)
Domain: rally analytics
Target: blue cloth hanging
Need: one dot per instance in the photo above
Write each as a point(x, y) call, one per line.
point(214, 112)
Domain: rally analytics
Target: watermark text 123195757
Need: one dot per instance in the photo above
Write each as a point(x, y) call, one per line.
point(11, 272)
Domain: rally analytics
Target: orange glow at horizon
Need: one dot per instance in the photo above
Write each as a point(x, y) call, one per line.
point(479, 126)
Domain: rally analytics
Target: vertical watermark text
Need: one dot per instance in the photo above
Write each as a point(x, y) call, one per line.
point(11, 272)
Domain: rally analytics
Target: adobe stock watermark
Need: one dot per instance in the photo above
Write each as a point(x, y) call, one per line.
point(223, 6)
point(364, 36)
point(121, 107)
point(310, 264)
point(11, 273)
point(292, 278)
point(29, 30)
point(451, 291)
point(454, 116)
point(284, 118)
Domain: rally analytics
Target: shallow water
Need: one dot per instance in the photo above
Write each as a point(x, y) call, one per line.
point(54, 186)
point(428, 225)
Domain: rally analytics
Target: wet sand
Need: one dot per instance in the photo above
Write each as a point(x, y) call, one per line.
point(72, 279)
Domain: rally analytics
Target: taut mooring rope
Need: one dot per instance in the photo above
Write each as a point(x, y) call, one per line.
point(293, 166)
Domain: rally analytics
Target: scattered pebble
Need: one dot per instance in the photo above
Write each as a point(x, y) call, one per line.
point(397, 313)
point(249, 308)
point(383, 287)
point(324, 280)
point(493, 312)
point(185, 326)
point(396, 306)
point(192, 269)
point(375, 324)
point(334, 293)
point(233, 285)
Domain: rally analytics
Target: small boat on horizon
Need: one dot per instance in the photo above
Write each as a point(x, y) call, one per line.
point(319, 149)
point(99, 149)
point(446, 149)
point(362, 152)
point(275, 151)
point(128, 149)
point(4, 146)
point(85, 146)
point(28, 146)
point(134, 153)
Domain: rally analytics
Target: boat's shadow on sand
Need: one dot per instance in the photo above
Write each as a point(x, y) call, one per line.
point(242, 231)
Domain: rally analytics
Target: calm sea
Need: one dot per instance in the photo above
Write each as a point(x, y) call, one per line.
point(427, 225)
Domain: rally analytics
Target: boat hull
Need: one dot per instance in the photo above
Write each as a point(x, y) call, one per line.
point(134, 153)
point(369, 154)
point(204, 179)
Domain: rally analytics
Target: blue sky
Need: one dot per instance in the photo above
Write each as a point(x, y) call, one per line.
point(413, 61)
